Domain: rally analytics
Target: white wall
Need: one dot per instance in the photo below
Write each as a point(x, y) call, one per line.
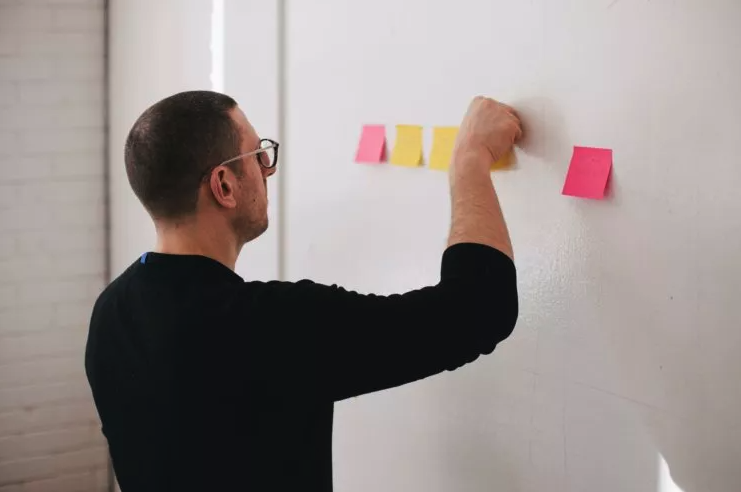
point(52, 241)
point(624, 361)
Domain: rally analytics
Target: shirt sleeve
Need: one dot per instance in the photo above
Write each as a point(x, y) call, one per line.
point(352, 344)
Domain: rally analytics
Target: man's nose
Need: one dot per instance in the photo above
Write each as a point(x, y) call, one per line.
point(268, 172)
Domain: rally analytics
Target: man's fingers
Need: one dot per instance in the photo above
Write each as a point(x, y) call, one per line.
point(509, 109)
point(513, 114)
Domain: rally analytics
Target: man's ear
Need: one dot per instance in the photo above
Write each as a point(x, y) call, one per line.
point(223, 186)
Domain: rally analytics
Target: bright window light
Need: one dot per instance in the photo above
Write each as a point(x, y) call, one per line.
point(665, 482)
point(217, 45)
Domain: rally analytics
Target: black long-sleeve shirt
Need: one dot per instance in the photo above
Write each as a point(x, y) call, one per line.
point(206, 382)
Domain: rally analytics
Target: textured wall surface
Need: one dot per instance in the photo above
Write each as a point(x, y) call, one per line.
point(52, 241)
point(621, 375)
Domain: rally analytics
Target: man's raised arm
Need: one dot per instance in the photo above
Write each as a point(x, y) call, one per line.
point(348, 344)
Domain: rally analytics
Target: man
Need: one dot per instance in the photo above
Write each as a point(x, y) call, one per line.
point(206, 382)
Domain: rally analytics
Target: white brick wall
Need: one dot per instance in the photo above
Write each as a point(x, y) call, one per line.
point(52, 241)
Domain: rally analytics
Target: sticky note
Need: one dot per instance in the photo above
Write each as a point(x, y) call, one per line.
point(504, 163)
point(408, 147)
point(372, 146)
point(443, 141)
point(588, 173)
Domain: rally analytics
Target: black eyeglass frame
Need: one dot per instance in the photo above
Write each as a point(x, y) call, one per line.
point(272, 145)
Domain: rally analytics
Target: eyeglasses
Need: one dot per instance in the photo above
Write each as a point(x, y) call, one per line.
point(267, 154)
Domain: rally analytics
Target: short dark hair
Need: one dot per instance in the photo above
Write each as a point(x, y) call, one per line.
point(173, 144)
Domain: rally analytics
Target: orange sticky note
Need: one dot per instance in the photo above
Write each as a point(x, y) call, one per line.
point(372, 146)
point(588, 173)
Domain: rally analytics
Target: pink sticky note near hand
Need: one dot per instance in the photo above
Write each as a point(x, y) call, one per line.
point(588, 173)
point(372, 147)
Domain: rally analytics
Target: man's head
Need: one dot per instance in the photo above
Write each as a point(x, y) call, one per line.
point(173, 161)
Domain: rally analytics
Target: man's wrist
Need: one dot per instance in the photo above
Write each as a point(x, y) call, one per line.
point(472, 158)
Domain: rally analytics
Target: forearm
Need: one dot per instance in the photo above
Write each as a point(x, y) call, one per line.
point(476, 213)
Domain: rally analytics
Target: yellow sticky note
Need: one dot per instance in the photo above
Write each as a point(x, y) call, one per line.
point(443, 141)
point(408, 147)
point(504, 163)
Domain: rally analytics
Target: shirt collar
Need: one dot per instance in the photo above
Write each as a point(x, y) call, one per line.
point(202, 266)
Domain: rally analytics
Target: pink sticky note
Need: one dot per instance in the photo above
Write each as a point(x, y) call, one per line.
point(372, 147)
point(588, 173)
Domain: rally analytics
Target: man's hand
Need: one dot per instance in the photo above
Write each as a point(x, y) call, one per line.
point(489, 127)
point(487, 133)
